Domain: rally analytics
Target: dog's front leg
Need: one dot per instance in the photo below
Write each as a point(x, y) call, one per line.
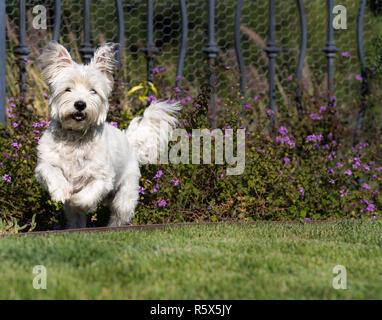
point(90, 196)
point(53, 180)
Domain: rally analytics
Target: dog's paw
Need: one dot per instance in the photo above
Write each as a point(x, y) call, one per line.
point(83, 202)
point(61, 194)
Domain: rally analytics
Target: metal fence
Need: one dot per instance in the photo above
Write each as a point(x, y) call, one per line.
point(268, 42)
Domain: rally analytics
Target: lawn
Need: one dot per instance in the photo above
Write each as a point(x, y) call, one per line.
point(262, 261)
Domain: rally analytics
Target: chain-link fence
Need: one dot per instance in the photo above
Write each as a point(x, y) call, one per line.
point(167, 35)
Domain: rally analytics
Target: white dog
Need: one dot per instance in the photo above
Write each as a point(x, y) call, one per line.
point(82, 160)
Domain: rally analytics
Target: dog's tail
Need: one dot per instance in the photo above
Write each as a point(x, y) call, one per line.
point(148, 135)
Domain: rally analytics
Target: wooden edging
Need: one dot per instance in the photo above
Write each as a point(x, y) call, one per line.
point(150, 227)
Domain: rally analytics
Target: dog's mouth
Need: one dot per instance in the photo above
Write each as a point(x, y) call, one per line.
point(78, 116)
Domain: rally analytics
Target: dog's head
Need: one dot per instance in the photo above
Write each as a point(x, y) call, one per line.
point(78, 93)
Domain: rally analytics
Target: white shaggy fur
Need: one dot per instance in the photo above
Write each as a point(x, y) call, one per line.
point(81, 159)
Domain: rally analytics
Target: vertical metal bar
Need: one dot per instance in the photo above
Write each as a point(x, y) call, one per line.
point(22, 49)
point(330, 50)
point(271, 50)
point(150, 49)
point(121, 29)
point(361, 56)
point(183, 44)
point(212, 52)
point(57, 20)
point(239, 53)
point(86, 49)
point(2, 64)
point(301, 57)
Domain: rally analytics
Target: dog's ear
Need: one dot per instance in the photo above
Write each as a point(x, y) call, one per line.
point(53, 59)
point(104, 58)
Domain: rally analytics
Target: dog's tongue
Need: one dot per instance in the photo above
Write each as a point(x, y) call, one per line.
point(78, 116)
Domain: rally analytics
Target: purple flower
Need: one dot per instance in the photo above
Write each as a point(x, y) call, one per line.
point(15, 145)
point(366, 167)
point(343, 193)
point(178, 78)
point(322, 109)
point(175, 182)
point(227, 67)
point(290, 77)
point(141, 190)
point(286, 160)
point(158, 174)
point(15, 124)
point(346, 54)
point(114, 124)
point(256, 98)
point(370, 207)
point(332, 181)
point(45, 95)
point(156, 188)
point(330, 171)
point(162, 203)
point(197, 105)
point(302, 191)
point(339, 165)
point(7, 178)
point(177, 90)
point(306, 219)
point(283, 130)
point(358, 77)
point(152, 99)
point(270, 112)
point(348, 172)
point(365, 186)
point(314, 137)
point(291, 143)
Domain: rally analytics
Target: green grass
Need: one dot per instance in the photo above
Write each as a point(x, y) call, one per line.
point(262, 261)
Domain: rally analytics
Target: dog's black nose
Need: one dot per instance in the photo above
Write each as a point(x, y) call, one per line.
point(80, 105)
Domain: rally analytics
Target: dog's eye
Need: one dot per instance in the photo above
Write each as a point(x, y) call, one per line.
point(68, 90)
point(93, 91)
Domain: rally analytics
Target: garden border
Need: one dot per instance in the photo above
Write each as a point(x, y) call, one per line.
point(151, 227)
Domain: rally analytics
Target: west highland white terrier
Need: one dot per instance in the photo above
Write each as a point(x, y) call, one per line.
point(82, 160)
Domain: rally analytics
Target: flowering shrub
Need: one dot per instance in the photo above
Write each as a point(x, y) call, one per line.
point(305, 167)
